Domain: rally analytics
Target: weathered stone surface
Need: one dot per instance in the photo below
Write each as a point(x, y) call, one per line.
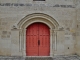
point(41, 58)
point(66, 13)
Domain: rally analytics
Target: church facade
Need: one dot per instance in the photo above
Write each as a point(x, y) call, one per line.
point(39, 27)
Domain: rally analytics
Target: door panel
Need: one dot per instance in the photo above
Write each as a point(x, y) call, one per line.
point(44, 47)
point(31, 40)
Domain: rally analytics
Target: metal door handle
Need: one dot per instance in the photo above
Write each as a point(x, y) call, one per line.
point(38, 42)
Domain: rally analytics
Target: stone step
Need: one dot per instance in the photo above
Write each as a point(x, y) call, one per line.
point(62, 57)
point(11, 58)
point(38, 58)
point(24, 58)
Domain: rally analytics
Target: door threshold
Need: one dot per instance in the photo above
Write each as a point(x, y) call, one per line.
point(38, 56)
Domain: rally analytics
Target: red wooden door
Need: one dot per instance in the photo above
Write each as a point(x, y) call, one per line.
point(32, 39)
point(44, 37)
point(38, 40)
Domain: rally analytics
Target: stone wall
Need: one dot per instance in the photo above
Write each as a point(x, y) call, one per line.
point(78, 28)
point(65, 12)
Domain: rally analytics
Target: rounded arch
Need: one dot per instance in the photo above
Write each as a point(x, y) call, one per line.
point(37, 22)
point(38, 17)
point(33, 18)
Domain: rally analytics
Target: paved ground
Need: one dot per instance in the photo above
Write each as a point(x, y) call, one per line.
point(74, 57)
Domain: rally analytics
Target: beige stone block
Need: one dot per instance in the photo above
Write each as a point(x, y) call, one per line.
point(5, 44)
point(16, 53)
point(5, 51)
point(69, 49)
point(15, 50)
point(60, 36)
point(60, 48)
point(15, 37)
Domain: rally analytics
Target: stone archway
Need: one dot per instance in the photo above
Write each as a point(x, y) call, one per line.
point(32, 18)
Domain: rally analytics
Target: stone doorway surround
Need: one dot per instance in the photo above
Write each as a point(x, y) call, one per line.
point(32, 18)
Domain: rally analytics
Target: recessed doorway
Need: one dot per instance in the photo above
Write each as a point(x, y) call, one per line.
point(38, 40)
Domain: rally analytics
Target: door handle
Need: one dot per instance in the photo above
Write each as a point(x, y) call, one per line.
point(38, 42)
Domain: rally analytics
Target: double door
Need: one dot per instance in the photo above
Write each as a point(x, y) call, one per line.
point(38, 40)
